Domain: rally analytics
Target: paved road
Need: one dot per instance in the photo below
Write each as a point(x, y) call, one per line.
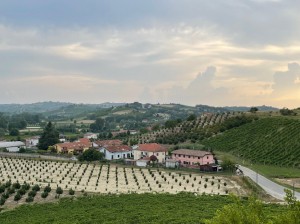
point(272, 188)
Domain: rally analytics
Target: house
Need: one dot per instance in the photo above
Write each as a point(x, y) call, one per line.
point(12, 146)
point(90, 135)
point(103, 143)
point(77, 147)
point(146, 150)
point(143, 162)
point(172, 163)
point(192, 158)
point(113, 152)
point(32, 142)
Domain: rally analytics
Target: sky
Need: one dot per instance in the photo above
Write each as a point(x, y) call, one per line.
point(219, 53)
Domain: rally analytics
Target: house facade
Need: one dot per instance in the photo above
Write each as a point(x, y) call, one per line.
point(113, 152)
point(90, 135)
point(73, 147)
point(147, 150)
point(188, 157)
point(32, 142)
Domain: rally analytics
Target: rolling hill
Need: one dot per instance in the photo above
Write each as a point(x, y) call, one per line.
point(269, 141)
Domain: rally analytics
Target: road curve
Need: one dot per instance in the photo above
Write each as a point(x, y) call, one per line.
point(272, 188)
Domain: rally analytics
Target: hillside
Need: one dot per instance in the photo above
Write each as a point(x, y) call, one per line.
point(270, 141)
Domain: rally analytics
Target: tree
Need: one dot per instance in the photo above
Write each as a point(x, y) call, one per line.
point(91, 155)
point(98, 125)
point(14, 132)
point(287, 112)
point(191, 117)
point(253, 109)
point(50, 137)
point(228, 164)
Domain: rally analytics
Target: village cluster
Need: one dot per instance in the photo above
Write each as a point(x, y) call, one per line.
point(141, 155)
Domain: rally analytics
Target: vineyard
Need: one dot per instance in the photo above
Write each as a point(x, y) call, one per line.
point(16, 174)
point(268, 141)
point(125, 208)
point(187, 130)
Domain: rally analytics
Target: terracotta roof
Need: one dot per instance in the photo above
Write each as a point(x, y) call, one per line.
point(84, 140)
point(152, 147)
point(190, 152)
point(118, 148)
point(109, 142)
point(74, 145)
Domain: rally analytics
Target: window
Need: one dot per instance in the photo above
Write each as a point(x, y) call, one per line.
point(207, 157)
point(157, 154)
point(189, 156)
point(118, 156)
point(198, 157)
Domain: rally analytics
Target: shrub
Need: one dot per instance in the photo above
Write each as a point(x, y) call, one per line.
point(21, 191)
point(2, 201)
point(29, 199)
point(17, 197)
point(44, 194)
point(32, 194)
point(71, 192)
point(47, 189)
point(59, 190)
point(11, 190)
point(17, 185)
point(2, 188)
point(36, 188)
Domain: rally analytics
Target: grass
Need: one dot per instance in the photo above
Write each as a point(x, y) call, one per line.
point(132, 208)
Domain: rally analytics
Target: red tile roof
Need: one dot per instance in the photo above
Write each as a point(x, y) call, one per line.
point(152, 147)
point(74, 145)
point(190, 152)
point(118, 148)
point(109, 142)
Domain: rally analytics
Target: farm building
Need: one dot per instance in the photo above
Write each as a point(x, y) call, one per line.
point(90, 135)
point(146, 150)
point(74, 147)
point(172, 163)
point(12, 146)
point(113, 152)
point(143, 162)
point(32, 142)
point(192, 158)
point(104, 143)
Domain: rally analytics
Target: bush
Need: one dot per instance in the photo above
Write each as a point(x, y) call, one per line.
point(11, 190)
point(29, 199)
point(25, 186)
point(44, 194)
point(32, 194)
point(2, 188)
point(17, 185)
point(47, 189)
point(71, 192)
point(17, 197)
point(2, 201)
point(59, 190)
point(21, 191)
point(36, 188)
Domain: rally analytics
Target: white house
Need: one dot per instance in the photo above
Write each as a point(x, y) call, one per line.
point(12, 146)
point(147, 150)
point(90, 135)
point(32, 142)
point(113, 152)
point(143, 162)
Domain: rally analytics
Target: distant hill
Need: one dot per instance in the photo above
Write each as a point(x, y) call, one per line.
point(46, 107)
point(244, 109)
point(270, 141)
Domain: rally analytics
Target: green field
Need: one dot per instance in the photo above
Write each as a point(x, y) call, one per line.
point(131, 208)
point(267, 141)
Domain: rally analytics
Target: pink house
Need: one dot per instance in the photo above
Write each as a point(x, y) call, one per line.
point(187, 157)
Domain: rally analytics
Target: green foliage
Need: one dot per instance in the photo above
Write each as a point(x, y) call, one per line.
point(14, 132)
point(47, 189)
point(228, 165)
point(269, 141)
point(252, 212)
point(91, 155)
point(286, 112)
point(98, 125)
point(36, 188)
point(130, 208)
point(44, 194)
point(29, 199)
point(32, 194)
point(17, 197)
point(59, 190)
point(71, 192)
point(50, 137)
